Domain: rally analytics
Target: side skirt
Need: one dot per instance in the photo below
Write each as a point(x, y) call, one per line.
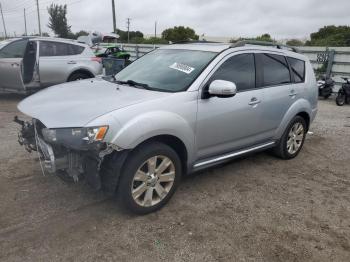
point(229, 156)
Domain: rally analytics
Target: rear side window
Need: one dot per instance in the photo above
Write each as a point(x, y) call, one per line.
point(75, 49)
point(298, 69)
point(48, 48)
point(239, 69)
point(274, 69)
point(14, 50)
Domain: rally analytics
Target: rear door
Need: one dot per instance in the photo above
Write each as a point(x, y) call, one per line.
point(11, 57)
point(273, 76)
point(56, 61)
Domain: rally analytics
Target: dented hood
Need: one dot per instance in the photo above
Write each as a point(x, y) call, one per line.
point(75, 104)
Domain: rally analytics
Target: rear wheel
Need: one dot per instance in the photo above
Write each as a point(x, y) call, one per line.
point(78, 76)
point(341, 98)
point(292, 140)
point(150, 177)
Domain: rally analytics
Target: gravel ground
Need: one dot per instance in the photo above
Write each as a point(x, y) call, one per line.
point(258, 208)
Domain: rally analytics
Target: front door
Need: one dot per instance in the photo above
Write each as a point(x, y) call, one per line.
point(228, 124)
point(11, 57)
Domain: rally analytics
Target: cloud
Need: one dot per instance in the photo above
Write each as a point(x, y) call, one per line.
point(282, 19)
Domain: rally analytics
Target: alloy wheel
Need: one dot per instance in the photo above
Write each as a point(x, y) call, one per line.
point(295, 138)
point(153, 181)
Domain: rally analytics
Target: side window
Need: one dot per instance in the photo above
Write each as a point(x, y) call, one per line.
point(274, 69)
point(75, 49)
point(298, 69)
point(14, 50)
point(239, 69)
point(48, 48)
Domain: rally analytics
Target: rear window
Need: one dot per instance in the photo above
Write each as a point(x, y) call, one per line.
point(275, 69)
point(48, 48)
point(298, 69)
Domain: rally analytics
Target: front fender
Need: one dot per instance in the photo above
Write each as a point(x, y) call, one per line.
point(151, 124)
point(299, 106)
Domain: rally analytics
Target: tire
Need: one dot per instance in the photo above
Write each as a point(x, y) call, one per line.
point(341, 99)
point(78, 76)
point(141, 192)
point(284, 149)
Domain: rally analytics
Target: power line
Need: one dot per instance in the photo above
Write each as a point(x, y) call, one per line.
point(15, 10)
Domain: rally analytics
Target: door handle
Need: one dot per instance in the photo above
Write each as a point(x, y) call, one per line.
point(71, 63)
point(14, 64)
point(254, 101)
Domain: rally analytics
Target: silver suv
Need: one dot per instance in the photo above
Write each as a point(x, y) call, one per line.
point(176, 110)
point(28, 64)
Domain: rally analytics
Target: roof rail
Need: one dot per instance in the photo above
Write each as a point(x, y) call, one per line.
point(195, 42)
point(264, 43)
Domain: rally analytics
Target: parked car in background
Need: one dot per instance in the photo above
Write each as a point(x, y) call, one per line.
point(111, 50)
point(178, 109)
point(31, 63)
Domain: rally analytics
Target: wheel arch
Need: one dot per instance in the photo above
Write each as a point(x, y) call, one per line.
point(301, 108)
point(81, 71)
point(175, 143)
point(306, 117)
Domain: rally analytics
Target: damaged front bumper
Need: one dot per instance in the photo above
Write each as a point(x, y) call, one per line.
point(72, 159)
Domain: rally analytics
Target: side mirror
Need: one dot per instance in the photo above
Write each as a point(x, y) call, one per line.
point(222, 88)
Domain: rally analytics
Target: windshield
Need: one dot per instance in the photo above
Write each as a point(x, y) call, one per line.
point(167, 70)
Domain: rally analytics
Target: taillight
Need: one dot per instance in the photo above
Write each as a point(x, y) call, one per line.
point(96, 59)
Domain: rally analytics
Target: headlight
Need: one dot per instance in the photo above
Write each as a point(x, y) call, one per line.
point(96, 133)
point(75, 135)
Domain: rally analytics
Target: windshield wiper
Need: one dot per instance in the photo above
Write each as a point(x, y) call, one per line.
point(133, 83)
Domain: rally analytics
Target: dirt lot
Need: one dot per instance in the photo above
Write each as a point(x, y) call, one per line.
point(255, 209)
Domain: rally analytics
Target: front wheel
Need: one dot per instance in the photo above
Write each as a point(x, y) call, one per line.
point(150, 177)
point(341, 99)
point(292, 140)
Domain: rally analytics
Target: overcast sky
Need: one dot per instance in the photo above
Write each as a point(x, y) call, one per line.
point(228, 18)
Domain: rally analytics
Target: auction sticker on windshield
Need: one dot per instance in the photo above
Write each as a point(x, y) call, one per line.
point(183, 68)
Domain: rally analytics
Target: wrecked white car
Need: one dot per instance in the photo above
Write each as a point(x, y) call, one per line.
point(31, 63)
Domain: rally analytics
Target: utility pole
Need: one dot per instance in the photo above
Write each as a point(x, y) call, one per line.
point(3, 21)
point(155, 29)
point(114, 19)
point(25, 22)
point(128, 24)
point(37, 7)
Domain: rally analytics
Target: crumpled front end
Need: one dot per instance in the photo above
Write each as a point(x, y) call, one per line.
point(71, 153)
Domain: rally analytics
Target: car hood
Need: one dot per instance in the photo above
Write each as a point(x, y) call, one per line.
point(77, 103)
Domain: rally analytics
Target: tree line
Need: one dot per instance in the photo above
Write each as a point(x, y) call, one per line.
point(327, 36)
